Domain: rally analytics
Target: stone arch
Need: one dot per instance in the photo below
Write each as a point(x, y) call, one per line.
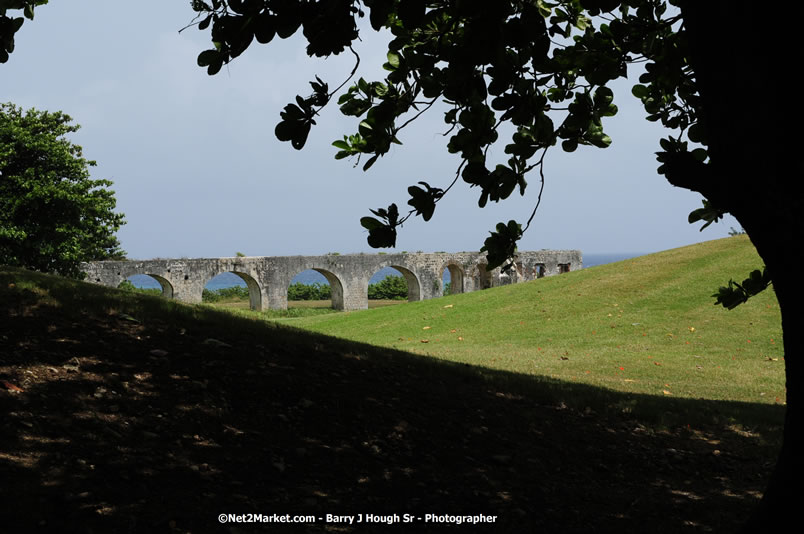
point(414, 286)
point(411, 279)
point(335, 285)
point(513, 275)
point(482, 277)
point(539, 270)
point(456, 277)
point(254, 289)
point(167, 287)
point(164, 283)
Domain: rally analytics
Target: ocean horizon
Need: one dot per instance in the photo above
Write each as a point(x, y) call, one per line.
point(310, 277)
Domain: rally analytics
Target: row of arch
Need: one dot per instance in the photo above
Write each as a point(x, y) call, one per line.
point(269, 277)
point(457, 278)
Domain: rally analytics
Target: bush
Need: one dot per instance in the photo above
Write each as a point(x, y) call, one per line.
point(316, 291)
point(126, 285)
point(391, 288)
point(238, 292)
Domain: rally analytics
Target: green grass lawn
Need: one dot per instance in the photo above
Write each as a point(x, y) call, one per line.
point(296, 308)
point(645, 325)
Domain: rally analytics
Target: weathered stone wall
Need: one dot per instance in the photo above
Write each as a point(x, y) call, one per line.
point(268, 277)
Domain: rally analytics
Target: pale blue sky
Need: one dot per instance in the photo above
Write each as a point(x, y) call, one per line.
point(198, 172)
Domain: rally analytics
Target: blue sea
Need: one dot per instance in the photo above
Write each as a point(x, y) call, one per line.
point(313, 277)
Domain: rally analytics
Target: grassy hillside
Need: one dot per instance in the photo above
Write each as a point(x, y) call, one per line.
point(131, 413)
point(644, 325)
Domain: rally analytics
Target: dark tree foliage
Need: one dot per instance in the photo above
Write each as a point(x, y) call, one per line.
point(540, 67)
point(9, 24)
point(714, 76)
point(53, 215)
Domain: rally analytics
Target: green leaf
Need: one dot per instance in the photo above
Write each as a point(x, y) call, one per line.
point(382, 234)
point(384, 237)
point(500, 246)
point(696, 133)
point(700, 154)
point(424, 201)
point(393, 59)
point(264, 29)
point(370, 223)
point(380, 90)
point(640, 91)
point(603, 97)
point(735, 294)
point(380, 9)
point(601, 140)
point(370, 162)
point(208, 57)
point(707, 213)
point(215, 67)
point(295, 126)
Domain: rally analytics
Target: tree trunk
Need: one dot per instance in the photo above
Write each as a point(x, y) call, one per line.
point(781, 504)
point(743, 63)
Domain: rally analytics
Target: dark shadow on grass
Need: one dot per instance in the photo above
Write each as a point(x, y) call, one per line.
point(142, 415)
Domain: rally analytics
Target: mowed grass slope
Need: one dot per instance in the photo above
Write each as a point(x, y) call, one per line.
point(645, 325)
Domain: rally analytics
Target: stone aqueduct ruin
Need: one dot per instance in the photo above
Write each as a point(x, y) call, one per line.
point(268, 277)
